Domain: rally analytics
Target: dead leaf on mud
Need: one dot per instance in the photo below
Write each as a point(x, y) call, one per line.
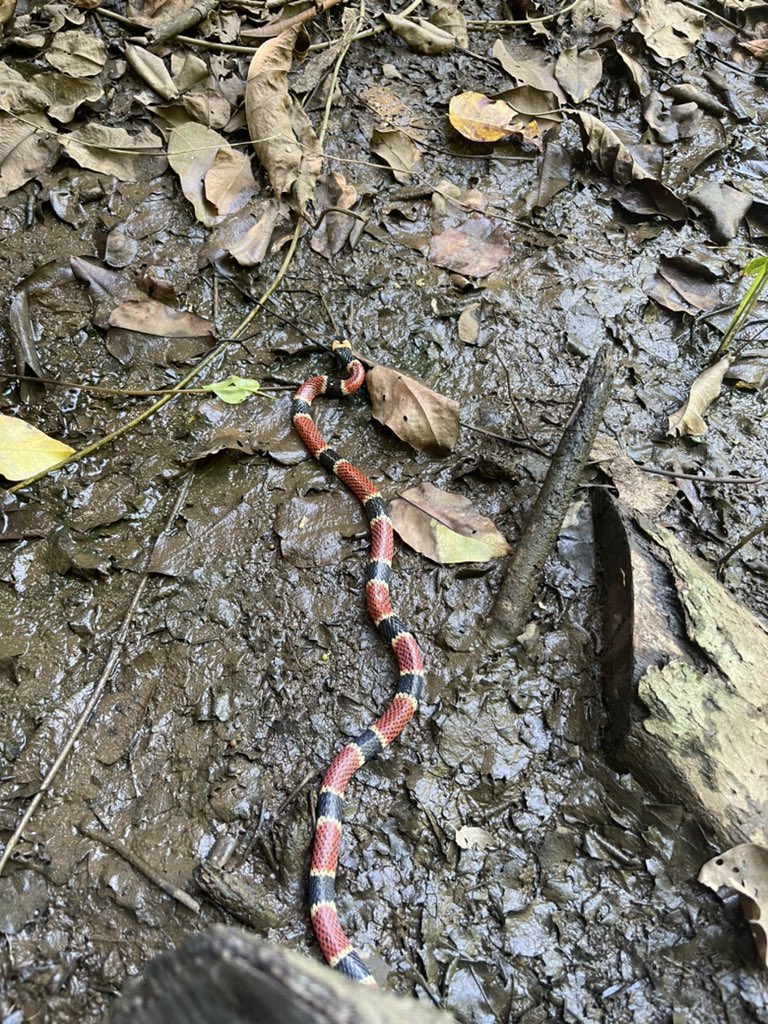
point(192, 150)
point(151, 69)
point(645, 193)
point(470, 837)
point(420, 35)
point(475, 249)
point(469, 324)
point(449, 18)
point(671, 30)
point(684, 285)
point(481, 119)
point(148, 316)
point(25, 450)
point(554, 174)
point(334, 195)
point(25, 152)
point(229, 184)
point(529, 66)
point(757, 47)
point(444, 527)
point(77, 53)
point(248, 234)
point(281, 133)
point(688, 420)
point(425, 420)
point(398, 151)
point(744, 868)
point(579, 72)
point(115, 151)
point(107, 289)
point(644, 492)
point(724, 206)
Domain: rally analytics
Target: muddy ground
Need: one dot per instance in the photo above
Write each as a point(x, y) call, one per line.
point(250, 657)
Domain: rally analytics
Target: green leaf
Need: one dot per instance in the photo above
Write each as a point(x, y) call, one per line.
point(235, 390)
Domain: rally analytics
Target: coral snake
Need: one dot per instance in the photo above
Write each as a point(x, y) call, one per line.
point(334, 944)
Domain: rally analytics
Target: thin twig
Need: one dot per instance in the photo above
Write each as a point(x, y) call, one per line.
point(98, 690)
point(737, 547)
point(479, 25)
point(141, 865)
point(128, 392)
point(673, 475)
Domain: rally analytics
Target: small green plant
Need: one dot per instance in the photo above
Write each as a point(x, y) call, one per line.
point(235, 390)
point(757, 268)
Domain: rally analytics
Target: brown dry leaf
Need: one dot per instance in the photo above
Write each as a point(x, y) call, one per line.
point(475, 249)
point(671, 30)
point(471, 837)
point(449, 18)
point(528, 66)
point(469, 324)
point(335, 195)
point(248, 234)
point(65, 94)
point(744, 868)
point(481, 119)
point(688, 420)
point(637, 72)
point(192, 150)
point(579, 73)
point(107, 289)
point(25, 450)
point(757, 47)
point(607, 150)
point(151, 69)
point(114, 151)
point(421, 36)
point(17, 95)
point(148, 316)
point(397, 150)
point(77, 53)
point(282, 134)
point(24, 151)
point(445, 527)
point(425, 420)
point(229, 184)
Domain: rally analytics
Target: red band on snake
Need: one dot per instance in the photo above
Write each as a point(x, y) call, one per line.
point(334, 944)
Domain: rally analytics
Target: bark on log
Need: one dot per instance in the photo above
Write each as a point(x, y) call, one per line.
point(685, 673)
point(227, 976)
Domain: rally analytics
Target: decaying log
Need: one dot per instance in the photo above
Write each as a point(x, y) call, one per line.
point(685, 672)
point(227, 976)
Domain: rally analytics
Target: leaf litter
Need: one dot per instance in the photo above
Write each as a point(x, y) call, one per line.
point(542, 239)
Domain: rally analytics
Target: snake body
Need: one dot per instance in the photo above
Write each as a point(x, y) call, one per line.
point(334, 944)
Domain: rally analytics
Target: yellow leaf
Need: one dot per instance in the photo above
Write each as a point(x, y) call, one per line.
point(25, 450)
point(482, 119)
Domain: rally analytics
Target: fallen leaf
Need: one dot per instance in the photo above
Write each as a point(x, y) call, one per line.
point(192, 150)
point(115, 151)
point(644, 492)
point(310, 528)
point(421, 36)
point(229, 183)
point(445, 527)
point(425, 420)
point(475, 249)
point(725, 207)
point(671, 30)
point(744, 868)
point(333, 196)
point(148, 316)
point(77, 53)
point(397, 150)
point(25, 450)
point(469, 837)
point(757, 47)
point(65, 94)
point(554, 174)
point(481, 119)
point(151, 69)
point(282, 134)
point(248, 234)
point(607, 150)
point(528, 66)
point(450, 19)
point(24, 151)
point(688, 420)
point(469, 324)
point(579, 73)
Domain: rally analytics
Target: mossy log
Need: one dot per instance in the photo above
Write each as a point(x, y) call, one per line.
point(685, 669)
